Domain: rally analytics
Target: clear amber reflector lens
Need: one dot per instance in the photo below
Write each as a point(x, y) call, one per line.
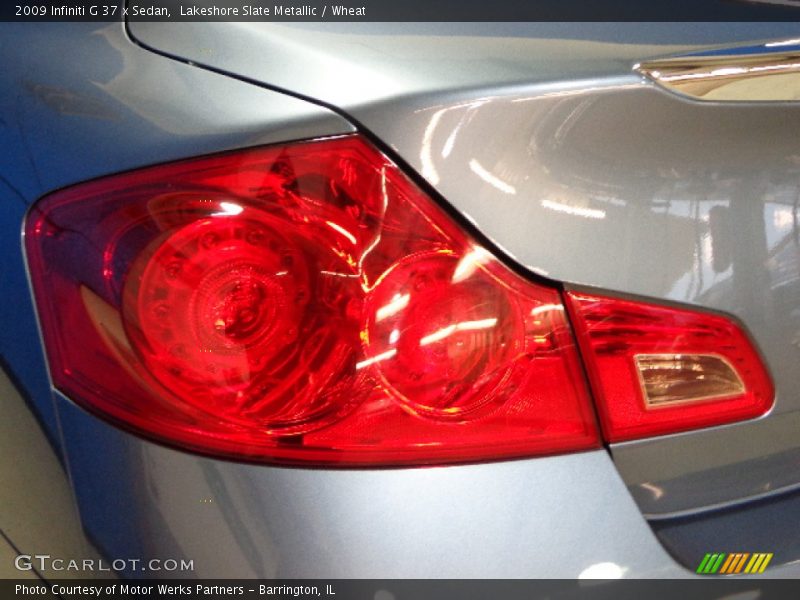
point(670, 379)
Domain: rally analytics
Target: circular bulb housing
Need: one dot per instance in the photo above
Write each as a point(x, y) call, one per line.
point(444, 347)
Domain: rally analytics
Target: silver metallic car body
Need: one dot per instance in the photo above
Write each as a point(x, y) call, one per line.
point(497, 124)
point(580, 170)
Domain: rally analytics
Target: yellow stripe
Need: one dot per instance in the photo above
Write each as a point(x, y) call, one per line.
point(759, 560)
point(749, 568)
point(727, 562)
point(765, 563)
point(741, 562)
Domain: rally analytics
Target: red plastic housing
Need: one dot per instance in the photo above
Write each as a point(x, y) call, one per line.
point(303, 303)
point(613, 332)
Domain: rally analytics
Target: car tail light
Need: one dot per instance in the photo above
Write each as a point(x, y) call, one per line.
point(304, 303)
point(656, 369)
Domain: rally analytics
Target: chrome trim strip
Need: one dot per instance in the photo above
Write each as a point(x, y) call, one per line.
point(764, 73)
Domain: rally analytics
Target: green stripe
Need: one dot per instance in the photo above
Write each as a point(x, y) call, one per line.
point(702, 567)
point(711, 562)
point(718, 564)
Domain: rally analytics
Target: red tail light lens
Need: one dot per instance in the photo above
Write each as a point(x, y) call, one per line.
point(301, 303)
point(656, 369)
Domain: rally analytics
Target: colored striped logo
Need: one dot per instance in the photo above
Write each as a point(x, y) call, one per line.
point(731, 564)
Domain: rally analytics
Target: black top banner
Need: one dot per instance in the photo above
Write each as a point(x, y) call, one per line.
point(401, 10)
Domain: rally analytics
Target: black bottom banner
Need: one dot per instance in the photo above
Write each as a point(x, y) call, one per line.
point(412, 589)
